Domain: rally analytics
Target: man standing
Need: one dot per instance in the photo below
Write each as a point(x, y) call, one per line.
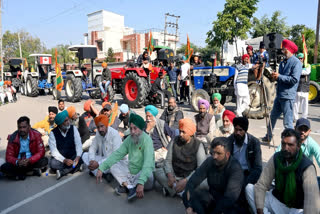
point(225, 180)
point(185, 154)
point(296, 188)
point(247, 150)
point(65, 146)
point(287, 84)
point(61, 106)
point(138, 145)
point(227, 128)
point(184, 80)
point(173, 77)
point(303, 90)
point(172, 114)
point(25, 152)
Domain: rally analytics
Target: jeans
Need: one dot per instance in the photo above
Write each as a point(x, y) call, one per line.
point(13, 170)
point(174, 89)
point(105, 89)
point(281, 106)
point(184, 90)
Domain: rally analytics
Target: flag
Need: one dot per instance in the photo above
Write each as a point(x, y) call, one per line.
point(113, 114)
point(305, 51)
point(59, 79)
point(25, 63)
point(189, 50)
point(151, 44)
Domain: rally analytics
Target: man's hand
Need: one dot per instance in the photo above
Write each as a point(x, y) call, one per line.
point(68, 162)
point(76, 160)
point(179, 78)
point(171, 180)
point(181, 185)
point(259, 211)
point(189, 210)
point(23, 162)
point(99, 176)
point(275, 75)
point(150, 125)
point(139, 191)
point(93, 165)
point(121, 134)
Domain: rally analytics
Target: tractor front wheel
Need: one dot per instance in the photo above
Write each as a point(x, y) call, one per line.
point(32, 87)
point(196, 96)
point(314, 92)
point(73, 88)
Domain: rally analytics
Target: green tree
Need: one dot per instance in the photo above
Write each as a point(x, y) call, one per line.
point(182, 48)
point(65, 55)
point(110, 55)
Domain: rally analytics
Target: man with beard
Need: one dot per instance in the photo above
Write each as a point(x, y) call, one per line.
point(287, 83)
point(227, 129)
point(172, 114)
point(225, 179)
point(185, 154)
point(246, 149)
point(206, 125)
point(296, 188)
point(138, 147)
point(65, 146)
point(90, 113)
point(25, 152)
point(217, 109)
point(45, 126)
point(108, 111)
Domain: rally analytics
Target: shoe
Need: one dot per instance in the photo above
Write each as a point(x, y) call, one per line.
point(59, 174)
point(180, 194)
point(91, 173)
point(132, 194)
point(265, 139)
point(108, 177)
point(37, 172)
point(165, 192)
point(20, 177)
point(81, 168)
point(120, 190)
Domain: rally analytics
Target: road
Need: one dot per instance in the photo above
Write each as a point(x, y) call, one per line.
point(79, 193)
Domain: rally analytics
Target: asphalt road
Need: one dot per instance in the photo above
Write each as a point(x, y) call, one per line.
point(79, 193)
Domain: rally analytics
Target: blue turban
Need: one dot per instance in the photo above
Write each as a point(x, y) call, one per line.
point(124, 108)
point(60, 118)
point(152, 109)
point(204, 102)
point(1, 83)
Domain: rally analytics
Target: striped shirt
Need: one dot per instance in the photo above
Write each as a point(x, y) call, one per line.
point(242, 74)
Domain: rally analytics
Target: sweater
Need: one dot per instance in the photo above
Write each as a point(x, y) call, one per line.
point(44, 124)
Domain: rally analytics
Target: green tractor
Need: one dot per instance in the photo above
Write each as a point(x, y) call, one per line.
point(314, 91)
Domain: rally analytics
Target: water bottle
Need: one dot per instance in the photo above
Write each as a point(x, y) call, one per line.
point(74, 164)
point(47, 172)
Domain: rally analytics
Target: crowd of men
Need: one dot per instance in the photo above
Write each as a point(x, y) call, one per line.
point(8, 93)
point(210, 161)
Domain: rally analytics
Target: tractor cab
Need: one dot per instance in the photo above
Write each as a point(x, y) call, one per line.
point(161, 54)
point(42, 64)
point(14, 71)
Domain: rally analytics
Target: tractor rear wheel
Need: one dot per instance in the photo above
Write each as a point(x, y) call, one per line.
point(196, 96)
point(73, 88)
point(134, 90)
point(314, 92)
point(55, 93)
point(32, 87)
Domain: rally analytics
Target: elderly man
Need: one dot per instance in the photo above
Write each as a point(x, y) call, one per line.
point(227, 128)
point(287, 83)
point(206, 125)
point(217, 109)
point(45, 126)
point(246, 149)
point(225, 179)
point(25, 152)
point(172, 114)
point(296, 188)
point(61, 106)
point(185, 154)
point(138, 146)
point(65, 146)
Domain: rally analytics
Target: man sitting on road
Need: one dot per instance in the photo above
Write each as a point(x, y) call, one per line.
point(138, 145)
point(225, 179)
point(227, 128)
point(124, 116)
point(185, 154)
point(296, 188)
point(89, 115)
point(108, 111)
point(65, 145)
point(45, 126)
point(61, 106)
point(172, 114)
point(25, 152)
point(206, 125)
point(217, 109)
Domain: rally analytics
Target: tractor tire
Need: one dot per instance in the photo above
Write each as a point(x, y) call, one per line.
point(196, 96)
point(73, 88)
point(23, 89)
point(257, 109)
point(314, 92)
point(96, 94)
point(32, 87)
point(55, 93)
point(134, 90)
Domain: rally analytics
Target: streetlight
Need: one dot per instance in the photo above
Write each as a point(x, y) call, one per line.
point(213, 57)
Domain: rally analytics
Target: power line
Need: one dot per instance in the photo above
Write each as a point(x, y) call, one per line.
point(171, 25)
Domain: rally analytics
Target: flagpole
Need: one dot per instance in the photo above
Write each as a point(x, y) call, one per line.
point(317, 36)
point(1, 54)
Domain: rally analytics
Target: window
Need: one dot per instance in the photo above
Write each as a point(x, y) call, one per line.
point(100, 46)
point(155, 42)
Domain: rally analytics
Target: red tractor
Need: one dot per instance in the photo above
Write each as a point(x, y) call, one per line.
point(134, 83)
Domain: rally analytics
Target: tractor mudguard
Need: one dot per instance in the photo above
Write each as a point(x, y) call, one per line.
point(118, 73)
point(7, 74)
point(34, 74)
point(76, 73)
point(139, 71)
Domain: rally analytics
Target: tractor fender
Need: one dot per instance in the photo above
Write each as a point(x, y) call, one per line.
point(139, 71)
point(50, 76)
point(97, 72)
point(33, 74)
point(7, 74)
point(76, 73)
point(118, 73)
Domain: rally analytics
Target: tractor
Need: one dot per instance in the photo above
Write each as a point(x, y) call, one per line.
point(36, 81)
point(314, 90)
point(83, 79)
point(134, 83)
point(14, 73)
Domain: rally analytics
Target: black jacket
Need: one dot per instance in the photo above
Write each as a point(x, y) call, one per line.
point(156, 86)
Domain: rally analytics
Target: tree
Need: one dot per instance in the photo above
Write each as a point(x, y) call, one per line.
point(110, 55)
point(65, 55)
point(182, 48)
point(276, 24)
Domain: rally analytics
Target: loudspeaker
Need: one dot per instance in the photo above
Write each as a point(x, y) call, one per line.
point(87, 53)
point(273, 41)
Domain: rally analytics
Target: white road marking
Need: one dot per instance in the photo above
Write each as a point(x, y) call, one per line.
point(39, 194)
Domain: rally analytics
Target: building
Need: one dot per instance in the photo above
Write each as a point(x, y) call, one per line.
point(107, 30)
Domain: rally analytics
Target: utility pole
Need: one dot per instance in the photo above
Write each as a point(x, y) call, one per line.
point(317, 36)
point(172, 25)
point(1, 54)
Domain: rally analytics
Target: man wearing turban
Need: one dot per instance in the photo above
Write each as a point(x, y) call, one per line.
point(90, 113)
point(217, 108)
point(65, 146)
point(138, 147)
point(185, 154)
point(227, 128)
point(287, 84)
point(106, 79)
point(45, 126)
point(206, 125)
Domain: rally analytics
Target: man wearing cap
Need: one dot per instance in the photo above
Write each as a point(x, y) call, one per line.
point(45, 126)
point(65, 146)
point(250, 53)
point(185, 155)
point(287, 83)
point(124, 116)
point(172, 114)
point(302, 96)
point(184, 80)
point(246, 149)
point(206, 125)
point(217, 109)
point(262, 54)
point(241, 85)
point(227, 128)
point(138, 147)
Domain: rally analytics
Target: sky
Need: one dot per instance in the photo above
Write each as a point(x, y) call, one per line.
point(65, 21)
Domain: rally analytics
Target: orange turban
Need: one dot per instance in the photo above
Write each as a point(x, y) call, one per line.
point(86, 106)
point(188, 126)
point(104, 119)
point(104, 64)
point(71, 111)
